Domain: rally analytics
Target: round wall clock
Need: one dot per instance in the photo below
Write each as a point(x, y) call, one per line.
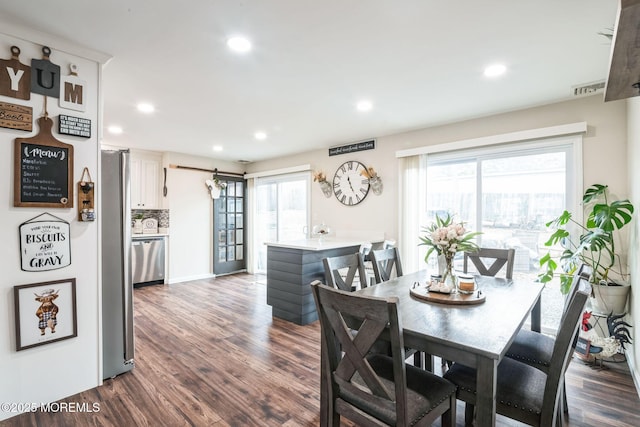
point(349, 186)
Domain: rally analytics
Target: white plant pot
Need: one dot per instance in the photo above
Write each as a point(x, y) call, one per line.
point(137, 226)
point(608, 299)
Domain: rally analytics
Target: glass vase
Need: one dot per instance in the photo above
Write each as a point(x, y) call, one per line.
point(326, 188)
point(376, 185)
point(449, 278)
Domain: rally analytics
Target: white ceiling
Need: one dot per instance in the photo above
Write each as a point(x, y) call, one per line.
point(419, 62)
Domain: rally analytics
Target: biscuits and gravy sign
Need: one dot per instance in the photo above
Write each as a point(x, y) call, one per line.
point(45, 244)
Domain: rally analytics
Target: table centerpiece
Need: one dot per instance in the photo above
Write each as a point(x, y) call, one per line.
point(446, 237)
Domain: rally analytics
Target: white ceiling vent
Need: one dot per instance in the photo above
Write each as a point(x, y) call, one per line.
point(588, 89)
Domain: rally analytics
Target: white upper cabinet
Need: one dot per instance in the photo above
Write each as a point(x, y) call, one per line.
point(145, 180)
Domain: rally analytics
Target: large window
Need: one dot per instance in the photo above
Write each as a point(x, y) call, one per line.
point(281, 212)
point(508, 193)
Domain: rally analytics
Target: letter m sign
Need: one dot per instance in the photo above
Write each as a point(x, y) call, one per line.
point(72, 91)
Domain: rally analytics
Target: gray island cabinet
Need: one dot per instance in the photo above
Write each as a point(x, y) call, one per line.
point(291, 267)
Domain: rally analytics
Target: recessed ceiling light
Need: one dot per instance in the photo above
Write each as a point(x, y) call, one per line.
point(145, 107)
point(239, 44)
point(217, 148)
point(115, 130)
point(495, 70)
point(260, 136)
point(364, 105)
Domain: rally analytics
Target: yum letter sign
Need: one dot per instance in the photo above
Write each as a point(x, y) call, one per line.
point(43, 77)
point(45, 244)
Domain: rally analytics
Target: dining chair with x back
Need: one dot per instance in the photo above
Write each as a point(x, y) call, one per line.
point(385, 263)
point(367, 387)
point(345, 272)
point(490, 261)
point(524, 393)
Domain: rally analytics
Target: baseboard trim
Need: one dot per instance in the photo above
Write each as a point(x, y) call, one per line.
point(635, 374)
point(174, 280)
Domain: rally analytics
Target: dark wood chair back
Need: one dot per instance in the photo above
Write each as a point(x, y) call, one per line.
point(498, 259)
point(365, 386)
point(344, 272)
point(523, 392)
point(384, 262)
point(564, 346)
point(583, 272)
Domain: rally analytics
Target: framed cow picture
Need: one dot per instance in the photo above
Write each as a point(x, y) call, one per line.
point(45, 312)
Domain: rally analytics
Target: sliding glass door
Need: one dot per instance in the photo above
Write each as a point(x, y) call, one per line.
point(282, 212)
point(508, 194)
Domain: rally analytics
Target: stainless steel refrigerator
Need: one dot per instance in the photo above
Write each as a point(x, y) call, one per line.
point(117, 287)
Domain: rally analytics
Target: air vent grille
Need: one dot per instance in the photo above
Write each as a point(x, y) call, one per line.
point(588, 89)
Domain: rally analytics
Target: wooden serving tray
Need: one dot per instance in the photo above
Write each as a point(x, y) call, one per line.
point(423, 293)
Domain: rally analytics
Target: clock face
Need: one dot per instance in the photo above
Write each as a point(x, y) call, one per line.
point(349, 186)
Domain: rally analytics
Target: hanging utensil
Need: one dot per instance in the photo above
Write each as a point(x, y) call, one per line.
point(164, 186)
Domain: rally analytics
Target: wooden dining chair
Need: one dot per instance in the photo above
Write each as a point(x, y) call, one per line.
point(385, 261)
point(489, 261)
point(524, 393)
point(345, 272)
point(369, 388)
point(498, 258)
point(536, 349)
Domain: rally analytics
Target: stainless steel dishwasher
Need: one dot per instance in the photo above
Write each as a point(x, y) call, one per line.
point(147, 260)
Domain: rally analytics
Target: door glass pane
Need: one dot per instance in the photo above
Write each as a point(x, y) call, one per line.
point(222, 253)
point(231, 189)
point(239, 252)
point(222, 206)
point(239, 188)
point(292, 210)
point(230, 204)
point(231, 253)
point(281, 213)
point(520, 194)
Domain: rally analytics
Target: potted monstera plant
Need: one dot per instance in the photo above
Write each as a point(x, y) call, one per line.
point(592, 242)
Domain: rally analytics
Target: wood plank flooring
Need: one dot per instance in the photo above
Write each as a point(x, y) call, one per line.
point(208, 353)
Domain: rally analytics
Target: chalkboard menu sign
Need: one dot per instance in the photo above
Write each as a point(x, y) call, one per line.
point(43, 170)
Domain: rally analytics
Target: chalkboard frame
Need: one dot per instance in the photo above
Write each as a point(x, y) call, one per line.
point(45, 139)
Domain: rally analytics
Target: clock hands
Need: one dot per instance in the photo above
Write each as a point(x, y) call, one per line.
point(350, 186)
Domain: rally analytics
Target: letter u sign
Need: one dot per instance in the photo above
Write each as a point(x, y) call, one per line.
point(45, 76)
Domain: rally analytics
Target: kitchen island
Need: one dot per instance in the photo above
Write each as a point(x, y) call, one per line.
point(292, 266)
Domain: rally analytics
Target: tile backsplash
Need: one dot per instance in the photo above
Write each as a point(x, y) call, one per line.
point(162, 215)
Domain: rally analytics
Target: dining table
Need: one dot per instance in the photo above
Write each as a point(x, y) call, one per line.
point(475, 335)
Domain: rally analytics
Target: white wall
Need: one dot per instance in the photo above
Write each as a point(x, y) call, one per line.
point(53, 371)
point(606, 134)
point(633, 121)
point(191, 216)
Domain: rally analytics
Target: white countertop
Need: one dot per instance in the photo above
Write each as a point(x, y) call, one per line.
point(145, 235)
point(317, 244)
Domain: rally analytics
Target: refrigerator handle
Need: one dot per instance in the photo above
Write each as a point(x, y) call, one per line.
point(127, 279)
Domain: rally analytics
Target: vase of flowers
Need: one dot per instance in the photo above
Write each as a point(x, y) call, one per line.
point(325, 186)
point(446, 238)
point(374, 180)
